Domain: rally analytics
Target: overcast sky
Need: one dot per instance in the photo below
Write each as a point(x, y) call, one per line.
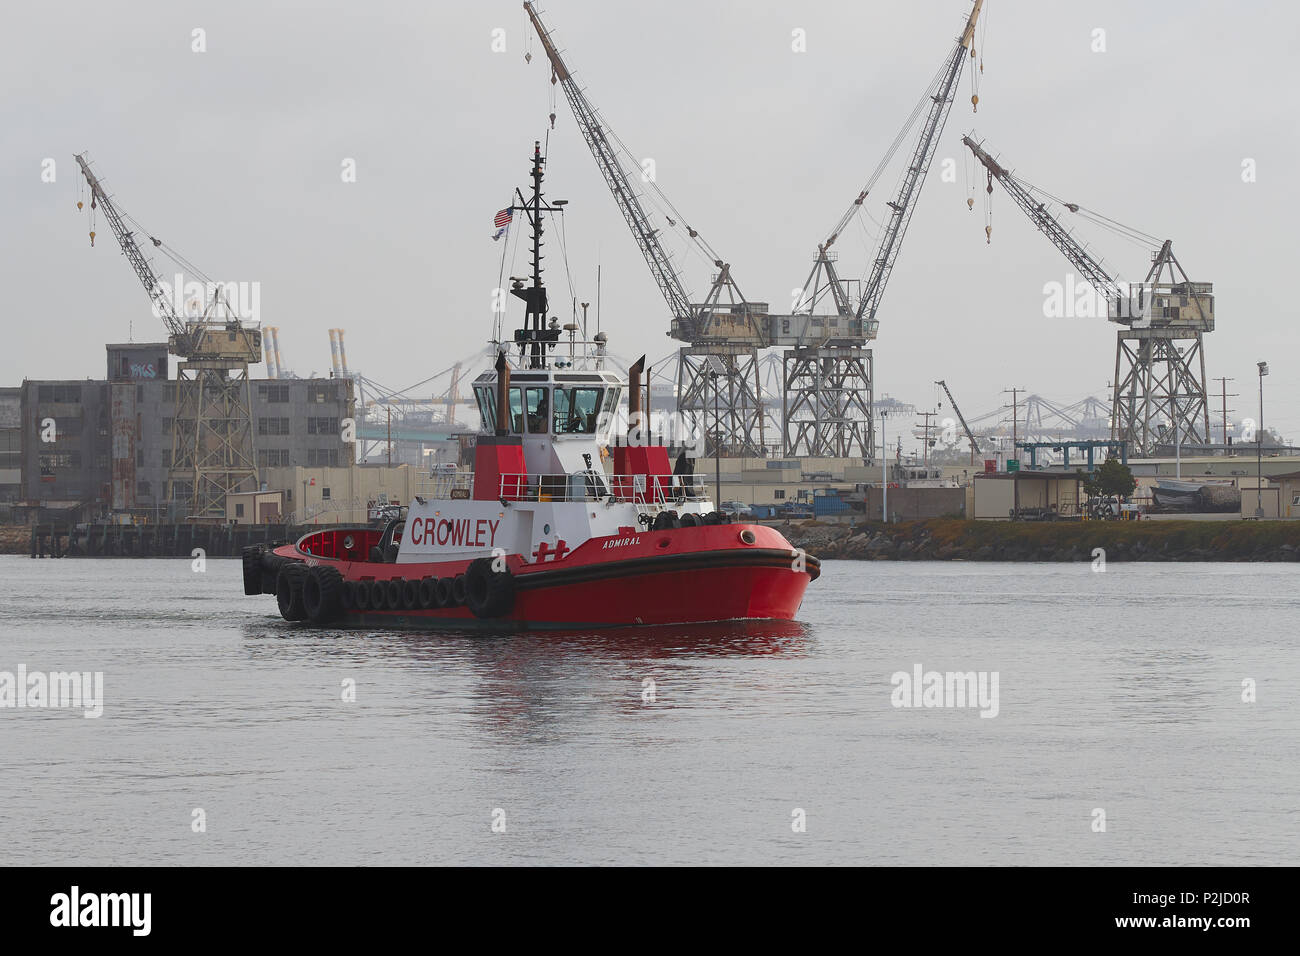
point(233, 156)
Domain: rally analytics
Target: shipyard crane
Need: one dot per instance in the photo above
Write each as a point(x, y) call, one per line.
point(212, 437)
point(721, 357)
point(1159, 395)
point(974, 445)
point(827, 386)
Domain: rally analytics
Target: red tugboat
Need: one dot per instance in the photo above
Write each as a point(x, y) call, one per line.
point(535, 536)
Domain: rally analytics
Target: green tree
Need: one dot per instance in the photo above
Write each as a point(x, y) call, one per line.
point(1112, 478)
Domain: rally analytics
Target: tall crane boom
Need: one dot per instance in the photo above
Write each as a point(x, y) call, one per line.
point(970, 437)
point(904, 204)
point(1088, 267)
point(625, 193)
point(213, 453)
point(126, 239)
point(1159, 395)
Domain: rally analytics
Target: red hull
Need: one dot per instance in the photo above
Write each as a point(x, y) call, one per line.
point(680, 576)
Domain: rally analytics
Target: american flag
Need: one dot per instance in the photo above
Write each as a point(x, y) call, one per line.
point(502, 222)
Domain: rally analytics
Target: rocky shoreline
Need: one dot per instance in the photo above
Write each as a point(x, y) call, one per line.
point(944, 539)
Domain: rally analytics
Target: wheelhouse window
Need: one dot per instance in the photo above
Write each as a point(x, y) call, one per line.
point(517, 411)
point(487, 406)
point(577, 410)
point(537, 410)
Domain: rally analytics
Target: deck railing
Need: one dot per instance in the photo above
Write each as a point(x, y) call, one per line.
point(650, 491)
point(447, 484)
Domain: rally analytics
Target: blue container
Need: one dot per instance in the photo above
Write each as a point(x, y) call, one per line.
point(829, 505)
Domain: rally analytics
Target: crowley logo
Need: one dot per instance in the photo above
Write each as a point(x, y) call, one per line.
point(621, 542)
point(131, 910)
point(457, 533)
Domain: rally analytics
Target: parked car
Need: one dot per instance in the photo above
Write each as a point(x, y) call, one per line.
point(736, 509)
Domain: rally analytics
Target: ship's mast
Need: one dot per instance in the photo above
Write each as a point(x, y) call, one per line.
point(536, 338)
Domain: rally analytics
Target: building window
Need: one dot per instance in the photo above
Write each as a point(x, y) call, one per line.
point(274, 394)
point(142, 490)
point(273, 426)
point(239, 511)
point(272, 457)
point(322, 457)
point(778, 494)
point(60, 460)
point(324, 494)
point(323, 426)
point(61, 394)
point(322, 392)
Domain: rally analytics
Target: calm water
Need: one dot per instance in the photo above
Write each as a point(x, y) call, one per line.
point(1119, 691)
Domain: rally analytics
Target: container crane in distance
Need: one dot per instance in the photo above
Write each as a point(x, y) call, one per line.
point(721, 358)
point(1159, 386)
point(970, 437)
point(828, 377)
point(212, 435)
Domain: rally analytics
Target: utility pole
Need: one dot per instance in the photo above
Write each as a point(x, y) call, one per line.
point(1015, 481)
point(1259, 445)
point(925, 446)
point(1223, 381)
point(390, 435)
point(884, 470)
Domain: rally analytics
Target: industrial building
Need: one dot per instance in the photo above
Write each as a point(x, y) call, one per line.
point(90, 448)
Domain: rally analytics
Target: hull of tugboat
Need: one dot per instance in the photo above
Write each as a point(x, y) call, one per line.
point(682, 575)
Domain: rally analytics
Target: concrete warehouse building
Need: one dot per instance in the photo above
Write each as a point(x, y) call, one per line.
point(113, 437)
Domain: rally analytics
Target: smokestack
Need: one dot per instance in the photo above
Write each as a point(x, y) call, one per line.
point(634, 396)
point(279, 362)
point(503, 392)
point(334, 353)
point(268, 351)
point(343, 353)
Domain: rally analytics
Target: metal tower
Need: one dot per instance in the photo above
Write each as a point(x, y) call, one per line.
point(212, 436)
point(724, 331)
point(827, 387)
point(1159, 385)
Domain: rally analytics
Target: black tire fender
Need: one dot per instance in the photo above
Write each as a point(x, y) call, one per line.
point(489, 593)
point(379, 595)
point(393, 596)
point(446, 592)
point(411, 594)
point(252, 558)
point(322, 596)
point(458, 589)
point(288, 591)
point(428, 593)
point(361, 596)
point(665, 521)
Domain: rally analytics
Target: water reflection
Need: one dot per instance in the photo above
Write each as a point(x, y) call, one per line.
point(279, 640)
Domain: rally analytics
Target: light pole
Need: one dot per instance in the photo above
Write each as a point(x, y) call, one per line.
point(1259, 445)
point(884, 470)
point(717, 445)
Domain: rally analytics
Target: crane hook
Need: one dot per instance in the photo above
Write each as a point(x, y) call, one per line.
point(552, 121)
point(528, 58)
point(92, 238)
point(975, 102)
point(79, 203)
point(988, 235)
point(970, 204)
